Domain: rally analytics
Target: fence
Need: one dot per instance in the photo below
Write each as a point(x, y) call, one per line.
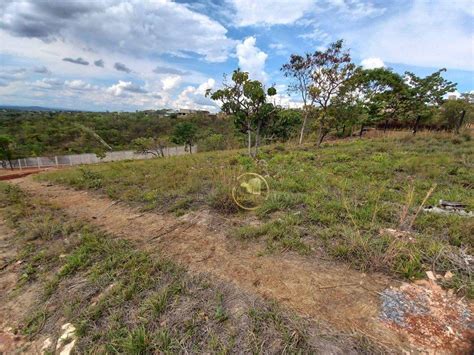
point(88, 158)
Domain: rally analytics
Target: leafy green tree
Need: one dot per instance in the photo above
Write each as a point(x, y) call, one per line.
point(284, 124)
point(153, 146)
point(425, 93)
point(6, 149)
point(380, 92)
point(454, 113)
point(246, 101)
point(185, 133)
point(332, 69)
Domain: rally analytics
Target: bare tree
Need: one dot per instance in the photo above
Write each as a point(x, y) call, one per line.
point(300, 69)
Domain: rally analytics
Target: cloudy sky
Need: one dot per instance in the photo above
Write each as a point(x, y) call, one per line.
point(137, 54)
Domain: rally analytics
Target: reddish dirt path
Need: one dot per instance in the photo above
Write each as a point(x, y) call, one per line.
point(347, 299)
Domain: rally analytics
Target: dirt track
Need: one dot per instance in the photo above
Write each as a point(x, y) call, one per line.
point(345, 298)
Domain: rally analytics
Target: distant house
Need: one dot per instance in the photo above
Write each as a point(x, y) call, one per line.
point(186, 112)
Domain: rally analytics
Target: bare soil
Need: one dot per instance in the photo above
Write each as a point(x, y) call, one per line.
point(319, 289)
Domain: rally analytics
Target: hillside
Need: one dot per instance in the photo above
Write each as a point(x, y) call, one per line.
point(56, 133)
point(335, 200)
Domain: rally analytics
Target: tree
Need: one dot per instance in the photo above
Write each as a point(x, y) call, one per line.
point(379, 92)
point(6, 149)
point(185, 133)
point(300, 69)
point(153, 146)
point(283, 124)
point(246, 101)
point(425, 93)
point(454, 113)
point(332, 69)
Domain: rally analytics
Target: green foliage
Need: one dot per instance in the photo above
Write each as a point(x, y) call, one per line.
point(57, 133)
point(247, 101)
point(185, 133)
point(6, 148)
point(310, 190)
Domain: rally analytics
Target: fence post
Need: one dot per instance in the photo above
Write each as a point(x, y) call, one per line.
point(70, 161)
point(56, 160)
point(19, 164)
point(39, 162)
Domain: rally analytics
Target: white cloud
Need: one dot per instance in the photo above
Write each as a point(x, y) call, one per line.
point(123, 26)
point(170, 82)
point(48, 83)
point(78, 85)
point(194, 97)
point(372, 63)
point(122, 88)
point(430, 34)
point(285, 12)
point(252, 59)
point(270, 12)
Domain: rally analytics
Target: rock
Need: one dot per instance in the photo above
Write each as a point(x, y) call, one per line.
point(67, 340)
point(46, 344)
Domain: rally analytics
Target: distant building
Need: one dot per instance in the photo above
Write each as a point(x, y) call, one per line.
point(185, 112)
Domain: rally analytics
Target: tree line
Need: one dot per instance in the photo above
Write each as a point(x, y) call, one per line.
point(336, 94)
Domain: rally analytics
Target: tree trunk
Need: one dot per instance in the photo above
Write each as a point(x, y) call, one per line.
point(361, 130)
point(415, 128)
point(385, 126)
point(461, 119)
point(257, 137)
point(249, 142)
point(321, 134)
point(303, 126)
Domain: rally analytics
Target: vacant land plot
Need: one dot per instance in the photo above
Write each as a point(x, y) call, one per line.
point(334, 202)
point(119, 299)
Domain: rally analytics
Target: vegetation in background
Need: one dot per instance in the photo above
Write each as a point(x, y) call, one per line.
point(123, 300)
point(6, 150)
point(185, 133)
point(56, 133)
point(334, 200)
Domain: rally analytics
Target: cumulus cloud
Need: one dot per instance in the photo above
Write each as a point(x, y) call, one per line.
point(122, 67)
point(168, 70)
point(77, 85)
point(76, 61)
point(431, 34)
point(194, 97)
point(372, 63)
point(99, 63)
point(122, 26)
point(252, 59)
point(170, 82)
point(122, 88)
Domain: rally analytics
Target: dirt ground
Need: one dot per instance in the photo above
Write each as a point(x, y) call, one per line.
point(347, 299)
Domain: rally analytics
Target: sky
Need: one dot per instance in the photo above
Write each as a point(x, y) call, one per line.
point(127, 55)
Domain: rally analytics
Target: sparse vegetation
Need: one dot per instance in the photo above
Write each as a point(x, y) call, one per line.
point(123, 300)
point(337, 198)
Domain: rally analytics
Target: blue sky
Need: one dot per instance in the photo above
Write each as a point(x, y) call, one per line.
point(134, 55)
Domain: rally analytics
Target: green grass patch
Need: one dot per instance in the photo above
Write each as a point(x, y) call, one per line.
point(338, 197)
